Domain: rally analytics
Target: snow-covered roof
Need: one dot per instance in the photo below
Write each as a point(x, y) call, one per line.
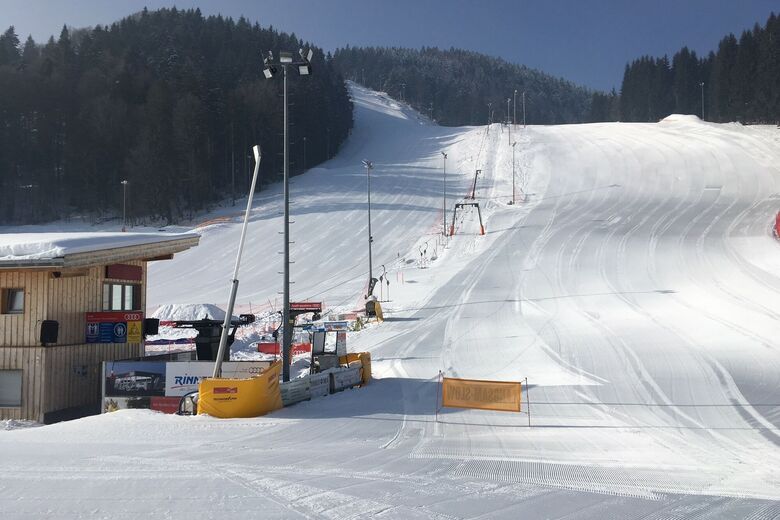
point(53, 249)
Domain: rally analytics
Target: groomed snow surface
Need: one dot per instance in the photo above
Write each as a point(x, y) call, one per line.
point(636, 287)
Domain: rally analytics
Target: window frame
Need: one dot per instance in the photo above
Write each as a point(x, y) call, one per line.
point(119, 291)
point(21, 388)
point(7, 298)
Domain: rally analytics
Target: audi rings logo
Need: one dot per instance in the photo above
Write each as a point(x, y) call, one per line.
point(133, 316)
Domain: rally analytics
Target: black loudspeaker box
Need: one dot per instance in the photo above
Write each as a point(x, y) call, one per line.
point(49, 331)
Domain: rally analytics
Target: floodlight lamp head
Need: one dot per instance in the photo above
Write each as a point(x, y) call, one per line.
point(309, 55)
point(285, 57)
point(270, 56)
point(368, 164)
point(256, 152)
point(269, 72)
point(444, 154)
point(304, 69)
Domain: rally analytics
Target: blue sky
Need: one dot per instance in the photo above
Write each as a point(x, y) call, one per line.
point(588, 42)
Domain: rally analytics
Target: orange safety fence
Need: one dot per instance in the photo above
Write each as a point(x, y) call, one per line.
point(484, 395)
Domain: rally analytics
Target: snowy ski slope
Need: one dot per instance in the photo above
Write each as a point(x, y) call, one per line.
point(637, 289)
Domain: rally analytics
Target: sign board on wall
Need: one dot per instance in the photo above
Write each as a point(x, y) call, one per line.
point(114, 327)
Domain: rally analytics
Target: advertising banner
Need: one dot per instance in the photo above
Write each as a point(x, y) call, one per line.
point(335, 325)
point(159, 385)
point(346, 378)
point(183, 377)
point(135, 378)
point(483, 395)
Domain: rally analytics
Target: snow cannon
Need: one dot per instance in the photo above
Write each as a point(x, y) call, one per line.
point(209, 332)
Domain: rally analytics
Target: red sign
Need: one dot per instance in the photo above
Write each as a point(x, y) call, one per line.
point(306, 306)
point(164, 404)
point(273, 348)
point(124, 272)
point(114, 316)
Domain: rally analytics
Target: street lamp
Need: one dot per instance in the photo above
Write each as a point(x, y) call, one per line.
point(304, 154)
point(524, 109)
point(444, 207)
point(369, 166)
point(702, 100)
point(124, 204)
point(269, 71)
point(509, 133)
point(513, 171)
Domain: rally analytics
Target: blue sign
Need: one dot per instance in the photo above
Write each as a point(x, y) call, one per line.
point(106, 333)
point(119, 332)
point(93, 332)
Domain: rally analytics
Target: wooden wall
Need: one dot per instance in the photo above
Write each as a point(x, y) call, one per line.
point(24, 329)
point(30, 361)
point(73, 372)
point(70, 297)
point(67, 374)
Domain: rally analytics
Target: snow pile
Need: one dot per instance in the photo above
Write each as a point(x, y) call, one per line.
point(189, 312)
point(39, 246)
point(681, 118)
point(13, 424)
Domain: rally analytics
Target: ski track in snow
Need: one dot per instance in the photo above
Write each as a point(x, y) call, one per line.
point(635, 288)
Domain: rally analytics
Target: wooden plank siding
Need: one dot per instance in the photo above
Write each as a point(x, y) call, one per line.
point(67, 386)
point(30, 361)
point(24, 329)
point(66, 374)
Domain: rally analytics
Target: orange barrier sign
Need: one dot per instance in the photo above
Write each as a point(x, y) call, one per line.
point(484, 395)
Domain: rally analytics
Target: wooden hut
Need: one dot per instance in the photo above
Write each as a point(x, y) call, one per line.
point(68, 302)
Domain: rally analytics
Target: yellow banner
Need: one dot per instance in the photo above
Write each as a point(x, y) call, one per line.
point(484, 395)
point(230, 398)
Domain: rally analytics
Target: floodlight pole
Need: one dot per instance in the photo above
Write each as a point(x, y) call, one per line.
point(513, 171)
point(509, 133)
point(287, 321)
point(369, 165)
point(514, 108)
point(234, 284)
point(444, 206)
point(524, 109)
point(702, 100)
point(304, 68)
point(124, 204)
